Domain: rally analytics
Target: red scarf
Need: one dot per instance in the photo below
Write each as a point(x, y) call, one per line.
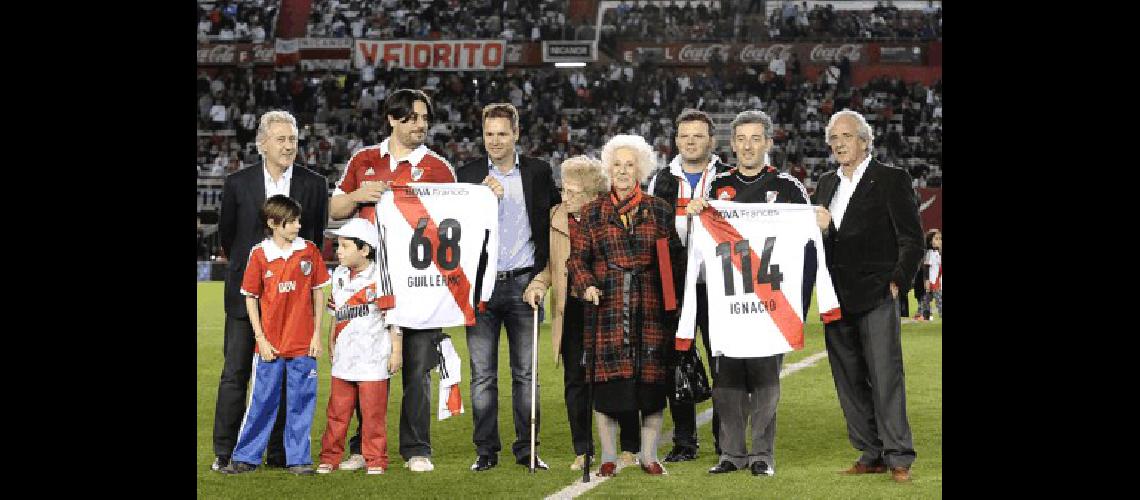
point(629, 204)
point(626, 206)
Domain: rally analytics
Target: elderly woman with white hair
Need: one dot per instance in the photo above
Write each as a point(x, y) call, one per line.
point(583, 179)
point(619, 262)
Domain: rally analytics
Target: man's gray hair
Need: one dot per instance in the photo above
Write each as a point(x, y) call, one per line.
point(863, 130)
point(268, 119)
point(753, 116)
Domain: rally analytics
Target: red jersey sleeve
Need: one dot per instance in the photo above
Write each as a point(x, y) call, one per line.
point(251, 283)
point(350, 179)
point(321, 275)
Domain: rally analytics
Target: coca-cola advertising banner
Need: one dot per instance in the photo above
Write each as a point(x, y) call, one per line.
point(239, 53)
point(741, 53)
point(442, 55)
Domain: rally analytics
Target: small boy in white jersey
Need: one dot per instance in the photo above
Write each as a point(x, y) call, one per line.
point(365, 345)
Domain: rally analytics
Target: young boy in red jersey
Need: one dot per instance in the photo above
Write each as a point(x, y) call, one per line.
point(282, 285)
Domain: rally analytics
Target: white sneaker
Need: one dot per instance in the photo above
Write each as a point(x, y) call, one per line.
point(375, 470)
point(420, 464)
point(325, 469)
point(355, 462)
point(627, 459)
point(579, 461)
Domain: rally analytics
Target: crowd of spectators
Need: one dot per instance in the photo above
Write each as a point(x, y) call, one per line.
point(535, 20)
point(237, 21)
point(885, 21)
point(564, 112)
point(740, 20)
point(512, 20)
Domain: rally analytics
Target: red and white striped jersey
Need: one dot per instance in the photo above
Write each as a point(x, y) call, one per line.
point(438, 238)
point(762, 260)
point(358, 305)
point(284, 280)
point(374, 163)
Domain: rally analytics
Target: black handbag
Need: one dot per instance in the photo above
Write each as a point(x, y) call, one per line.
point(691, 385)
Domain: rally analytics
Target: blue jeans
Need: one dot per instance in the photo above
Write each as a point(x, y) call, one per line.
point(505, 308)
point(300, 375)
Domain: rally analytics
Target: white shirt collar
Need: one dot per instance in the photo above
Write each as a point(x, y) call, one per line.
point(273, 252)
point(491, 165)
point(366, 273)
point(285, 176)
point(413, 157)
point(858, 171)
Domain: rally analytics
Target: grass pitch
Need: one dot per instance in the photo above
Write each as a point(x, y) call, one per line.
point(811, 442)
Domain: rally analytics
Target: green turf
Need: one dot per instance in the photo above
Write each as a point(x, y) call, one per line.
point(811, 443)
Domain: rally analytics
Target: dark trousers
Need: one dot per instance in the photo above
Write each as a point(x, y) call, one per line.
point(505, 308)
point(747, 389)
point(865, 352)
point(576, 390)
point(685, 414)
point(237, 347)
point(421, 354)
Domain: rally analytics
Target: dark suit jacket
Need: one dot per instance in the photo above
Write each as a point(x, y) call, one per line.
point(240, 227)
point(538, 191)
point(880, 240)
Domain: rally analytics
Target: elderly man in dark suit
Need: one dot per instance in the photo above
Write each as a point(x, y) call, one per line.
point(873, 242)
point(239, 229)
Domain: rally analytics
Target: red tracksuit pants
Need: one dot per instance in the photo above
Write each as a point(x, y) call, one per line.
point(374, 409)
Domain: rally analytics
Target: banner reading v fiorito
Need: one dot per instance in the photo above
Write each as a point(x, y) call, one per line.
point(435, 55)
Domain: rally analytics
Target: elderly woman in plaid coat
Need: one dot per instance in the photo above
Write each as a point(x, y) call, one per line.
point(618, 252)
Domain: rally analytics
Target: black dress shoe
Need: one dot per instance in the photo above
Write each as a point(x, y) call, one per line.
point(238, 468)
point(681, 454)
point(724, 466)
point(301, 470)
point(761, 468)
point(484, 462)
point(220, 463)
point(538, 463)
point(272, 463)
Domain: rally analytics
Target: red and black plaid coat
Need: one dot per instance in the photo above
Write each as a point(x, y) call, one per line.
point(628, 329)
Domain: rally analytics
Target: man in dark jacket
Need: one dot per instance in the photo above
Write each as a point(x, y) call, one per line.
point(239, 229)
point(873, 239)
point(525, 187)
point(689, 175)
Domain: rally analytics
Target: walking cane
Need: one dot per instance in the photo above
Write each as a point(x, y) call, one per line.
point(588, 317)
point(533, 386)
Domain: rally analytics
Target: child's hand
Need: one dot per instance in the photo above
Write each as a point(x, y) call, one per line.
point(315, 345)
point(395, 361)
point(266, 350)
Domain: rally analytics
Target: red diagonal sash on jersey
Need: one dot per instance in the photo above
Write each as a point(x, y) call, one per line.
point(783, 315)
point(412, 208)
point(358, 299)
point(401, 176)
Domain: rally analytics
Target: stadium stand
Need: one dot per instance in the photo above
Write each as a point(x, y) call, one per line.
point(568, 111)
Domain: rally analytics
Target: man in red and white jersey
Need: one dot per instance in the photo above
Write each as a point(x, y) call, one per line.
point(399, 159)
